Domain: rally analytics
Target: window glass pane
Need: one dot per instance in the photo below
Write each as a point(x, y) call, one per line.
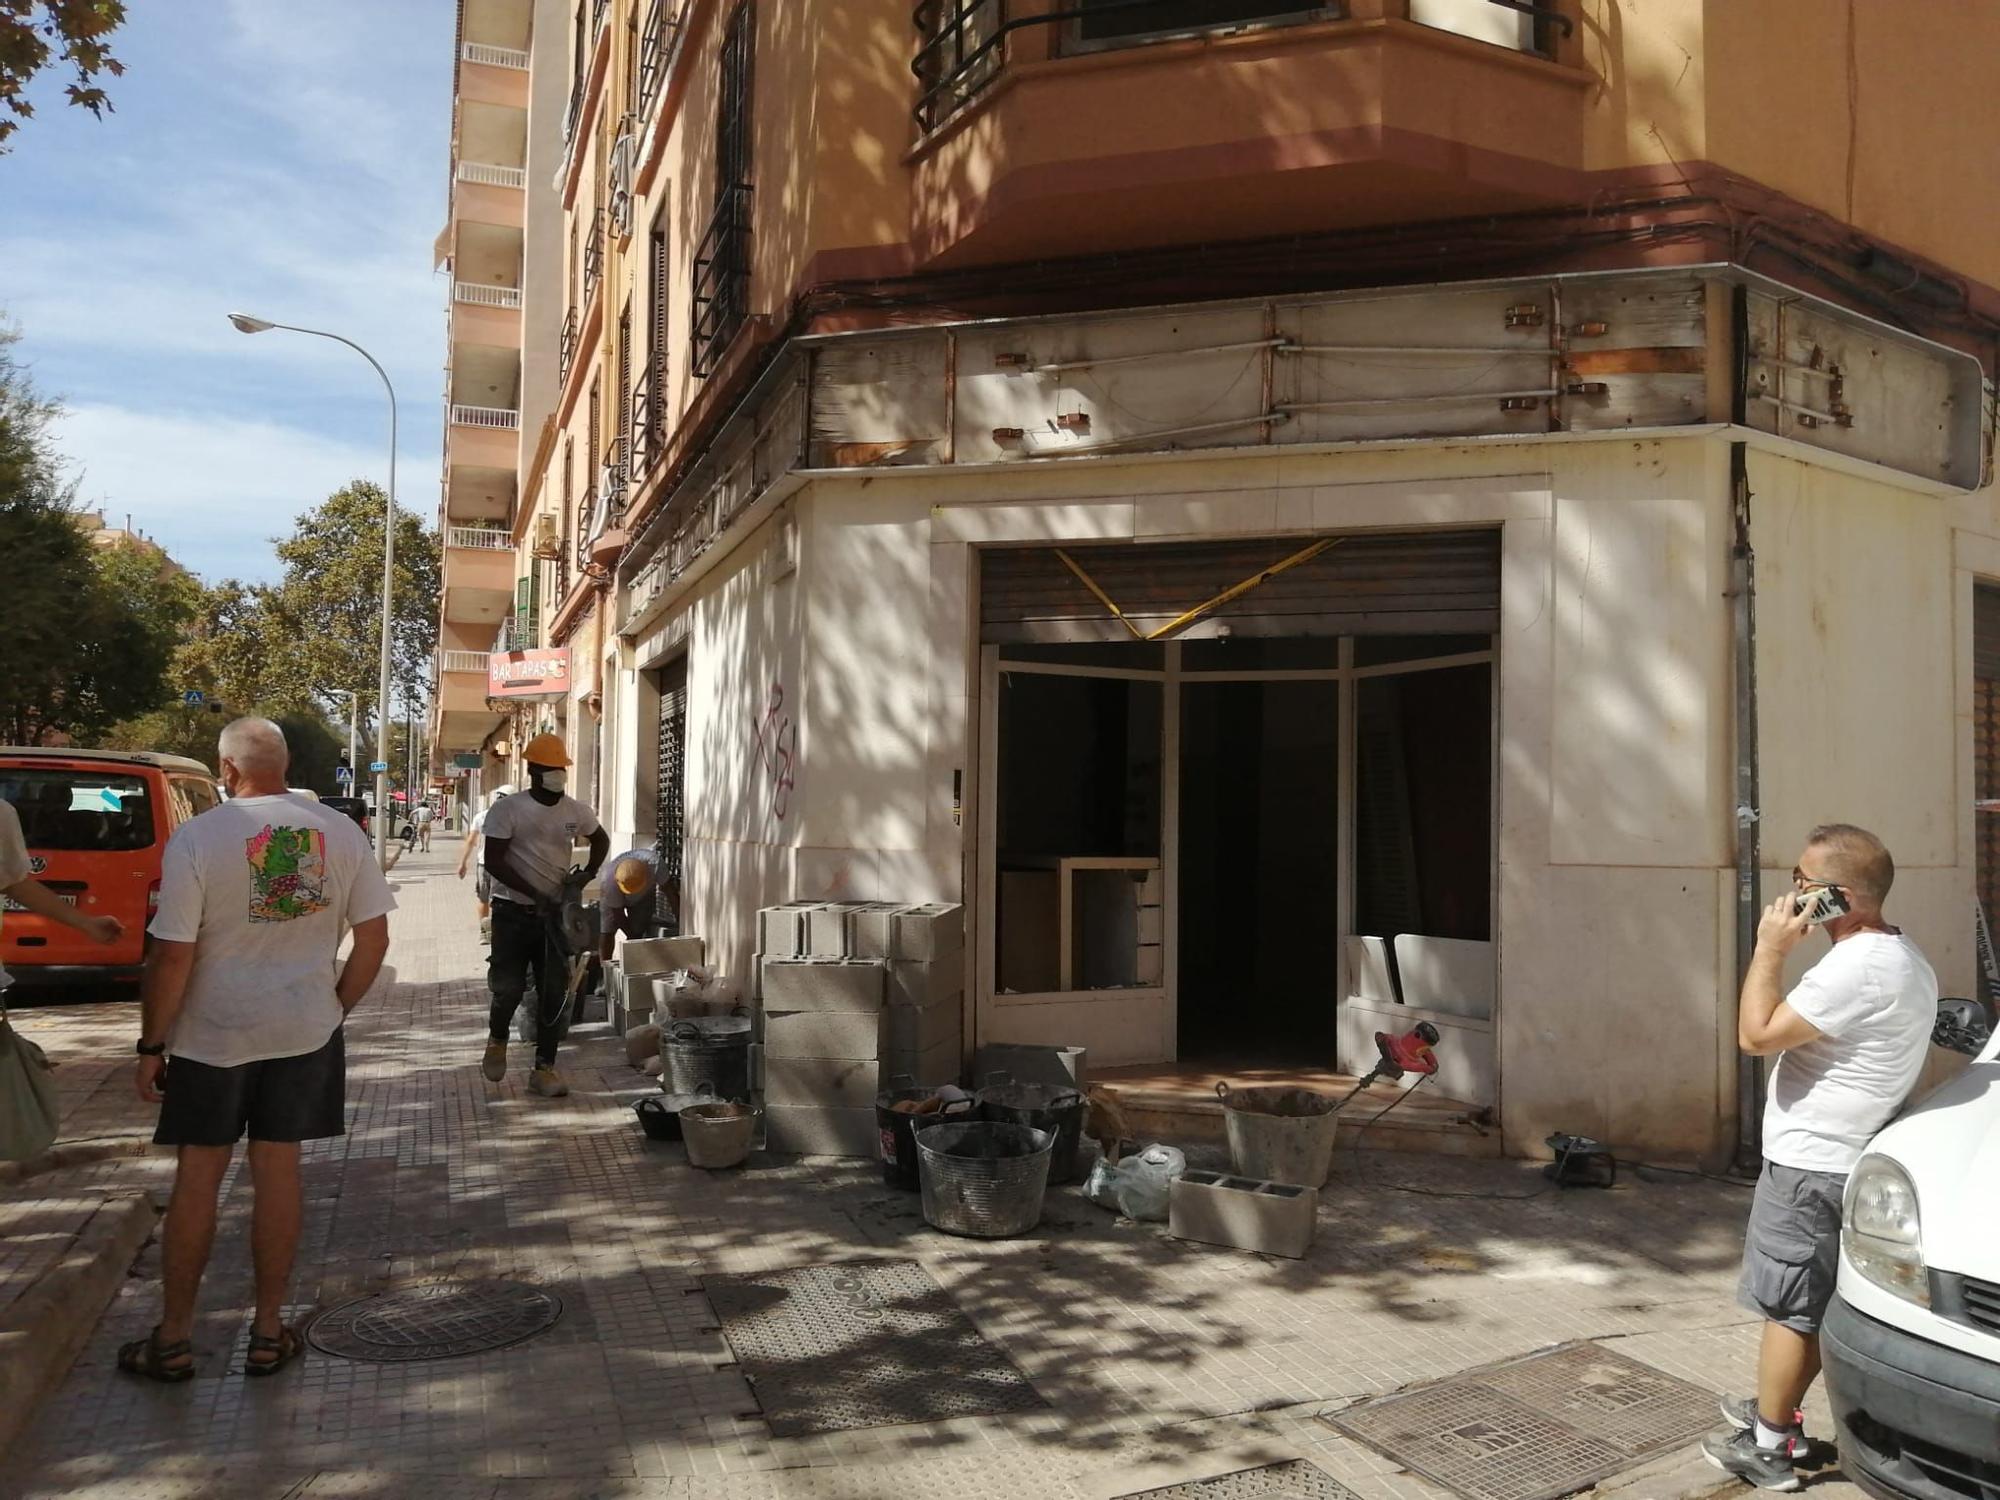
point(1079, 766)
point(1108, 20)
point(79, 809)
point(1380, 650)
point(1128, 656)
point(1261, 654)
point(1424, 804)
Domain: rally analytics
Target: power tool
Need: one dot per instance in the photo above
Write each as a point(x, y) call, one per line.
point(1411, 1052)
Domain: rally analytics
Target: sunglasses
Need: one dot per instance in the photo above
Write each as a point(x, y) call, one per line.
point(1807, 882)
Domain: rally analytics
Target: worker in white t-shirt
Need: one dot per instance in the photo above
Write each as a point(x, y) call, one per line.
point(530, 840)
point(423, 816)
point(1850, 1039)
point(468, 854)
point(244, 1001)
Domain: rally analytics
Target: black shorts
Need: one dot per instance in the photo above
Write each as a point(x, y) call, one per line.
point(301, 1098)
point(1791, 1251)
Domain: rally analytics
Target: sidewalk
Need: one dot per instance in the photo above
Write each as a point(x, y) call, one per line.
point(1146, 1350)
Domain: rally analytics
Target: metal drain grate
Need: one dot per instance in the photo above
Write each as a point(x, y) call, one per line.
point(1535, 1428)
point(861, 1344)
point(439, 1320)
point(1296, 1480)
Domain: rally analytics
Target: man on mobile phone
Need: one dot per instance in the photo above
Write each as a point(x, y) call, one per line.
point(1850, 1038)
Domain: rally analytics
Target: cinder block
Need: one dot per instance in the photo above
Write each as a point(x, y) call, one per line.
point(829, 929)
point(1051, 1067)
point(851, 1034)
point(813, 984)
point(795, 1130)
point(875, 930)
point(821, 1082)
point(1269, 1218)
point(934, 1065)
point(925, 983)
point(661, 955)
point(757, 1067)
point(908, 1029)
point(924, 933)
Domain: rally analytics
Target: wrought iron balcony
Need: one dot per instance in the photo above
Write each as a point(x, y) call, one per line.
point(721, 279)
point(659, 42)
point(566, 348)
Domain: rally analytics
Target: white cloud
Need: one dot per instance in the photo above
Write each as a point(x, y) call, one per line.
point(215, 491)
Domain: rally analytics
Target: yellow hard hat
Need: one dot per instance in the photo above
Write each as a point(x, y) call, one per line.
point(545, 750)
point(632, 876)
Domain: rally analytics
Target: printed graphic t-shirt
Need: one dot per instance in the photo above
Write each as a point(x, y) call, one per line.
point(14, 866)
point(540, 840)
point(264, 887)
point(1874, 999)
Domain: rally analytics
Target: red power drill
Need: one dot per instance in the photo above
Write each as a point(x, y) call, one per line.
point(1409, 1053)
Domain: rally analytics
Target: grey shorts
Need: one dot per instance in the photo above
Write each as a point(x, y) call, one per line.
point(282, 1099)
point(1791, 1251)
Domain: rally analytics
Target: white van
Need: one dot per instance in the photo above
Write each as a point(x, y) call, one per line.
point(1912, 1340)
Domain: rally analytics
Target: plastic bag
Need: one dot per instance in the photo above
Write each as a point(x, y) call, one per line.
point(28, 1109)
point(1138, 1186)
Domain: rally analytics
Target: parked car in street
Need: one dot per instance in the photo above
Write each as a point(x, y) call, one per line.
point(355, 808)
point(1912, 1341)
point(96, 823)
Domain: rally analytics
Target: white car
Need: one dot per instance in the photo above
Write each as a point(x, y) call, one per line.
point(1912, 1340)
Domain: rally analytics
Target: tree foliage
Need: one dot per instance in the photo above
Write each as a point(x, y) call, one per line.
point(75, 33)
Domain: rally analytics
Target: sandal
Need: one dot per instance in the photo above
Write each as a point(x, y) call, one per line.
point(286, 1347)
point(153, 1360)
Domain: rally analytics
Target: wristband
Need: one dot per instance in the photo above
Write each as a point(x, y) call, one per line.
point(152, 1049)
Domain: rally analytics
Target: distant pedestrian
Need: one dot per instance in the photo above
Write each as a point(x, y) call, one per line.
point(530, 840)
point(241, 1026)
point(468, 853)
point(423, 816)
point(1850, 1038)
point(627, 902)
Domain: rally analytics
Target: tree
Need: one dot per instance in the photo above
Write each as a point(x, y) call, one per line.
point(74, 32)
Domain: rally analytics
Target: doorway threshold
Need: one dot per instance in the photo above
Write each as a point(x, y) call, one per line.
point(1175, 1102)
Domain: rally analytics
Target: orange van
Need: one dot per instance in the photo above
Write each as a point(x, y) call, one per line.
point(96, 823)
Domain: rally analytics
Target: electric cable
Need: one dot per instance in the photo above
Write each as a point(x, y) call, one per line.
point(1373, 1180)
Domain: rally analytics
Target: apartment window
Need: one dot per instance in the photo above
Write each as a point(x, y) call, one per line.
point(568, 509)
point(958, 54)
point(652, 394)
point(579, 64)
point(656, 44)
point(1115, 22)
point(722, 259)
point(594, 454)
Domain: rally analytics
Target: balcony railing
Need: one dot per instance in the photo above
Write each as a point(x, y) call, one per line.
point(566, 349)
point(462, 661)
point(481, 295)
point(598, 11)
point(488, 175)
point(494, 57)
point(485, 416)
point(479, 538)
point(593, 254)
point(721, 279)
point(659, 40)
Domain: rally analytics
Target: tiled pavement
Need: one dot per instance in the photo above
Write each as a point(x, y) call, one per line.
point(1145, 1348)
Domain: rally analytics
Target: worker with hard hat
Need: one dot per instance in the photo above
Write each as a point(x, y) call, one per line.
point(627, 903)
point(531, 839)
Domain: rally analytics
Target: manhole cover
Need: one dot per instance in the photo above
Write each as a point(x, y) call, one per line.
point(1534, 1428)
point(861, 1344)
point(437, 1321)
point(1297, 1480)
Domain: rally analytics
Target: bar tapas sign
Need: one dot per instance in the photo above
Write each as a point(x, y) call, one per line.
point(541, 675)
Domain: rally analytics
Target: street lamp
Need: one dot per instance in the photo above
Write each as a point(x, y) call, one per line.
point(353, 712)
point(244, 323)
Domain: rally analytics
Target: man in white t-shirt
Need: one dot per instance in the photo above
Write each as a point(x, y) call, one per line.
point(1851, 1039)
point(468, 855)
point(423, 816)
point(242, 1010)
point(530, 840)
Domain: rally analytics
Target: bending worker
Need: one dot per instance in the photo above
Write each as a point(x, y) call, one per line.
point(626, 904)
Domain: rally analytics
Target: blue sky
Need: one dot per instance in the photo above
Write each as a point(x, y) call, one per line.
point(283, 157)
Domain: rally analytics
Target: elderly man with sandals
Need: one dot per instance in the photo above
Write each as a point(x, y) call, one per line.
point(241, 1027)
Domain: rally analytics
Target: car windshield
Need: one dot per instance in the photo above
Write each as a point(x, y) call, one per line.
point(65, 809)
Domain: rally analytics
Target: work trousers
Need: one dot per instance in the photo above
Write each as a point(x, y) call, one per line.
point(524, 945)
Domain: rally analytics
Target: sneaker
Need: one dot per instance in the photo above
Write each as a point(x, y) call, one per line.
point(547, 1082)
point(1735, 1451)
point(494, 1063)
point(1740, 1412)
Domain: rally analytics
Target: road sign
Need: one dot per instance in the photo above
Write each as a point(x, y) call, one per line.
point(342, 775)
point(194, 696)
point(468, 762)
point(377, 767)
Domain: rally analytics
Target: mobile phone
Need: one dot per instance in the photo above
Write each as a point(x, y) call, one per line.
point(1821, 904)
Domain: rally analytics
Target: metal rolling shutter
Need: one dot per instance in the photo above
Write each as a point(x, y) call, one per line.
point(671, 769)
point(1414, 583)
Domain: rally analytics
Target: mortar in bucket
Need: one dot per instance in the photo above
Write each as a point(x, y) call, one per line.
point(1280, 1134)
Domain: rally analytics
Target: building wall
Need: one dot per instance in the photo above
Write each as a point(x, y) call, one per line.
point(542, 302)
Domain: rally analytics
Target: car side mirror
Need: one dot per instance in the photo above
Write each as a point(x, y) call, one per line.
point(1963, 1026)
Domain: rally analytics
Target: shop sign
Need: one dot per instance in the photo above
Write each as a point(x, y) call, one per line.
point(541, 674)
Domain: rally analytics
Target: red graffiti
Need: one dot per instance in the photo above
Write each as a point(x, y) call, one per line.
point(775, 739)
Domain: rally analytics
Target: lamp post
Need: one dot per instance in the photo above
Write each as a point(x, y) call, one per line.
point(353, 712)
point(244, 323)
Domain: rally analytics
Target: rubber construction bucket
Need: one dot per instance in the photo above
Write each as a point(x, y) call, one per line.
point(982, 1178)
point(708, 1054)
point(1280, 1135)
point(718, 1135)
point(900, 1166)
point(1039, 1106)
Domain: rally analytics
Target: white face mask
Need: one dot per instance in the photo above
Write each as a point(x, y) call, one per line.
point(554, 781)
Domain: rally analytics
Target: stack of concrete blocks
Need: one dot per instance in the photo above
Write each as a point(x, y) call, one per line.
point(639, 963)
point(857, 997)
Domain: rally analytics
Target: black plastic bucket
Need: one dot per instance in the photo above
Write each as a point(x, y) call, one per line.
point(708, 1054)
point(1060, 1111)
point(898, 1127)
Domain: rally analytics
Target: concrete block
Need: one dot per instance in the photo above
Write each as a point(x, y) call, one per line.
point(757, 1074)
point(875, 930)
point(924, 933)
point(939, 1063)
point(829, 929)
point(821, 1082)
point(1051, 1067)
point(661, 955)
point(797, 1130)
point(925, 983)
point(781, 930)
point(813, 984)
point(851, 1034)
point(911, 1029)
point(1268, 1218)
